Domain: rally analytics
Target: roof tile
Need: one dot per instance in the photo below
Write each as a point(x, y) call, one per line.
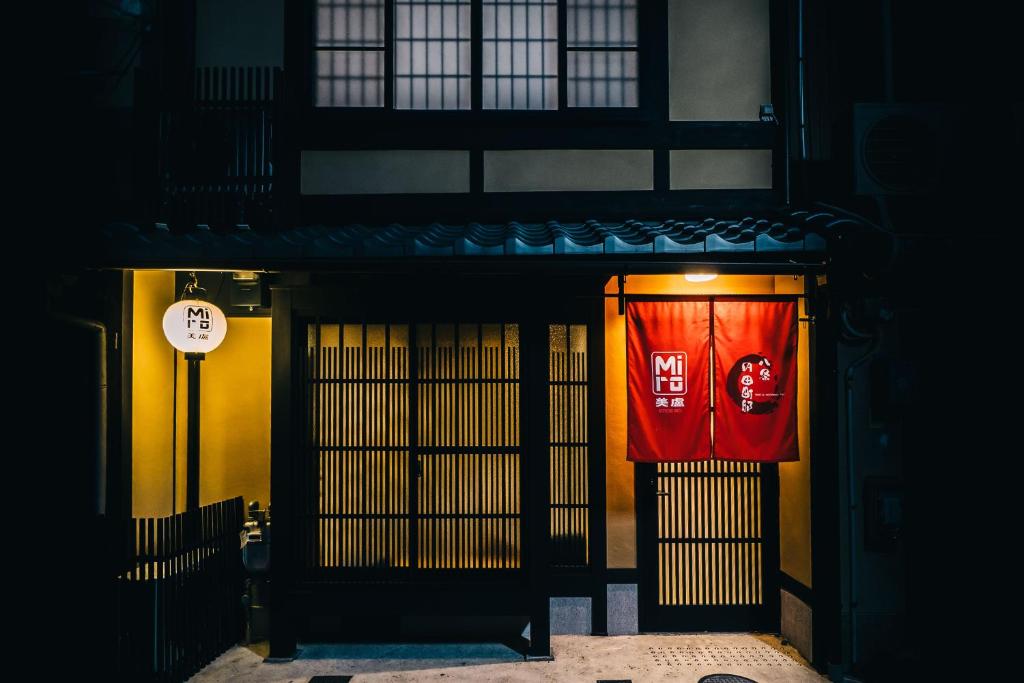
point(792, 232)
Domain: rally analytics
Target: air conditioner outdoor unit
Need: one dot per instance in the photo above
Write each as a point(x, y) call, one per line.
point(899, 149)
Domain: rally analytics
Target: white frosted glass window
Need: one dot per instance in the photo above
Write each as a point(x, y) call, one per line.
point(520, 54)
point(605, 78)
point(350, 23)
point(350, 78)
point(601, 39)
point(432, 54)
point(349, 53)
point(601, 23)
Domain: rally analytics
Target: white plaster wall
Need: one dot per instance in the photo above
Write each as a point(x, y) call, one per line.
point(553, 170)
point(719, 60)
point(720, 169)
point(384, 172)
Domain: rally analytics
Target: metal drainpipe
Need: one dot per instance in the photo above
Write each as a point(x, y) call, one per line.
point(100, 407)
point(851, 485)
point(887, 57)
point(801, 62)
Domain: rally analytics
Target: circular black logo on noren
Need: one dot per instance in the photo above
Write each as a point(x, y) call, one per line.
point(753, 384)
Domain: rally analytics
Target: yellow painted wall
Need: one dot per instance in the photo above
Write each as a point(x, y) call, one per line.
point(235, 400)
point(235, 416)
point(234, 408)
point(794, 493)
point(795, 477)
point(621, 515)
point(152, 391)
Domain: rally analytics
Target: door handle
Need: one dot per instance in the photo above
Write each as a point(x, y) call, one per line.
point(661, 493)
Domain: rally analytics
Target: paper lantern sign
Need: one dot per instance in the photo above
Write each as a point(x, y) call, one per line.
point(194, 326)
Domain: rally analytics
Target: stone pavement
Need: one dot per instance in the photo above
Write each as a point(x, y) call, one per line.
point(683, 658)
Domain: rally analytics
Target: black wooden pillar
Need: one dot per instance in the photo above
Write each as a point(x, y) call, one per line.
point(282, 629)
point(192, 447)
point(172, 49)
point(771, 546)
point(598, 473)
point(535, 435)
point(825, 514)
point(644, 486)
point(117, 313)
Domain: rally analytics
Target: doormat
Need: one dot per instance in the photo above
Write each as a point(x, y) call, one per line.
point(711, 657)
point(726, 678)
point(330, 679)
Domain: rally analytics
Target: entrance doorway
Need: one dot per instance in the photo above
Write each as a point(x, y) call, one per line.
point(413, 451)
point(708, 546)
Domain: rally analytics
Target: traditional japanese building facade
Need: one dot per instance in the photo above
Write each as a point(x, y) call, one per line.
point(426, 222)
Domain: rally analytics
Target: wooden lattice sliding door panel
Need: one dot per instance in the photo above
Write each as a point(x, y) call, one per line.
point(468, 446)
point(411, 455)
point(710, 547)
point(709, 534)
point(568, 446)
point(360, 431)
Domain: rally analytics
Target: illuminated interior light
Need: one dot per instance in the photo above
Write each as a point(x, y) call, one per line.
point(700, 277)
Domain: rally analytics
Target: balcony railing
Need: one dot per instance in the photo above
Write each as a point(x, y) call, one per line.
point(214, 159)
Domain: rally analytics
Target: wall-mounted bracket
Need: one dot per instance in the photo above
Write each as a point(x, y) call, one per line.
point(622, 294)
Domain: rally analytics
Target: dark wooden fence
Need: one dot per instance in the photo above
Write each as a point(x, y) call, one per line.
point(178, 591)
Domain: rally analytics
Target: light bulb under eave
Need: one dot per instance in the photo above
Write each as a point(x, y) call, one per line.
point(194, 326)
point(700, 277)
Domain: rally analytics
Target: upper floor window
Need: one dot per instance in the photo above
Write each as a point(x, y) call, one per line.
point(601, 42)
point(350, 53)
point(430, 44)
point(520, 54)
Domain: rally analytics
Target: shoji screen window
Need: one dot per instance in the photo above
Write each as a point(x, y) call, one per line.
point(520, 54)
point(492, 55)
point(601, 59)
point(432, 54)
point(349, 53)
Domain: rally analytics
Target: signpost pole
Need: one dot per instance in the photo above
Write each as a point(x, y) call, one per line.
point(194, 327)
point(192, 448)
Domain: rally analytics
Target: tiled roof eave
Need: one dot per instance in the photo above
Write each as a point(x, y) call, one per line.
point(797, 237)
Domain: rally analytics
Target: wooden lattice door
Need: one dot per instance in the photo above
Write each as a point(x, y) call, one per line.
point(411, 461)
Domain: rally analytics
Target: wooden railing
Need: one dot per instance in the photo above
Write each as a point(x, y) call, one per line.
point(215, 154)
point(178, 591)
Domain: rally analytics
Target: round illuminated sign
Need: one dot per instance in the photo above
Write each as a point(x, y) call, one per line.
point(194, 326)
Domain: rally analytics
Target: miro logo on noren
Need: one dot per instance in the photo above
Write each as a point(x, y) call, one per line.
point(668, 373)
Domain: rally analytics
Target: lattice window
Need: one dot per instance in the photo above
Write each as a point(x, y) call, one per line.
point(601, 62)
point(350, 53)
point(520, 54)
point(432, 54)
point(569, 446)
point(426, 49)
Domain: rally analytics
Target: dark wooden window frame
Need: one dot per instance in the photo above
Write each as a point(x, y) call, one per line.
point(644, 111)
